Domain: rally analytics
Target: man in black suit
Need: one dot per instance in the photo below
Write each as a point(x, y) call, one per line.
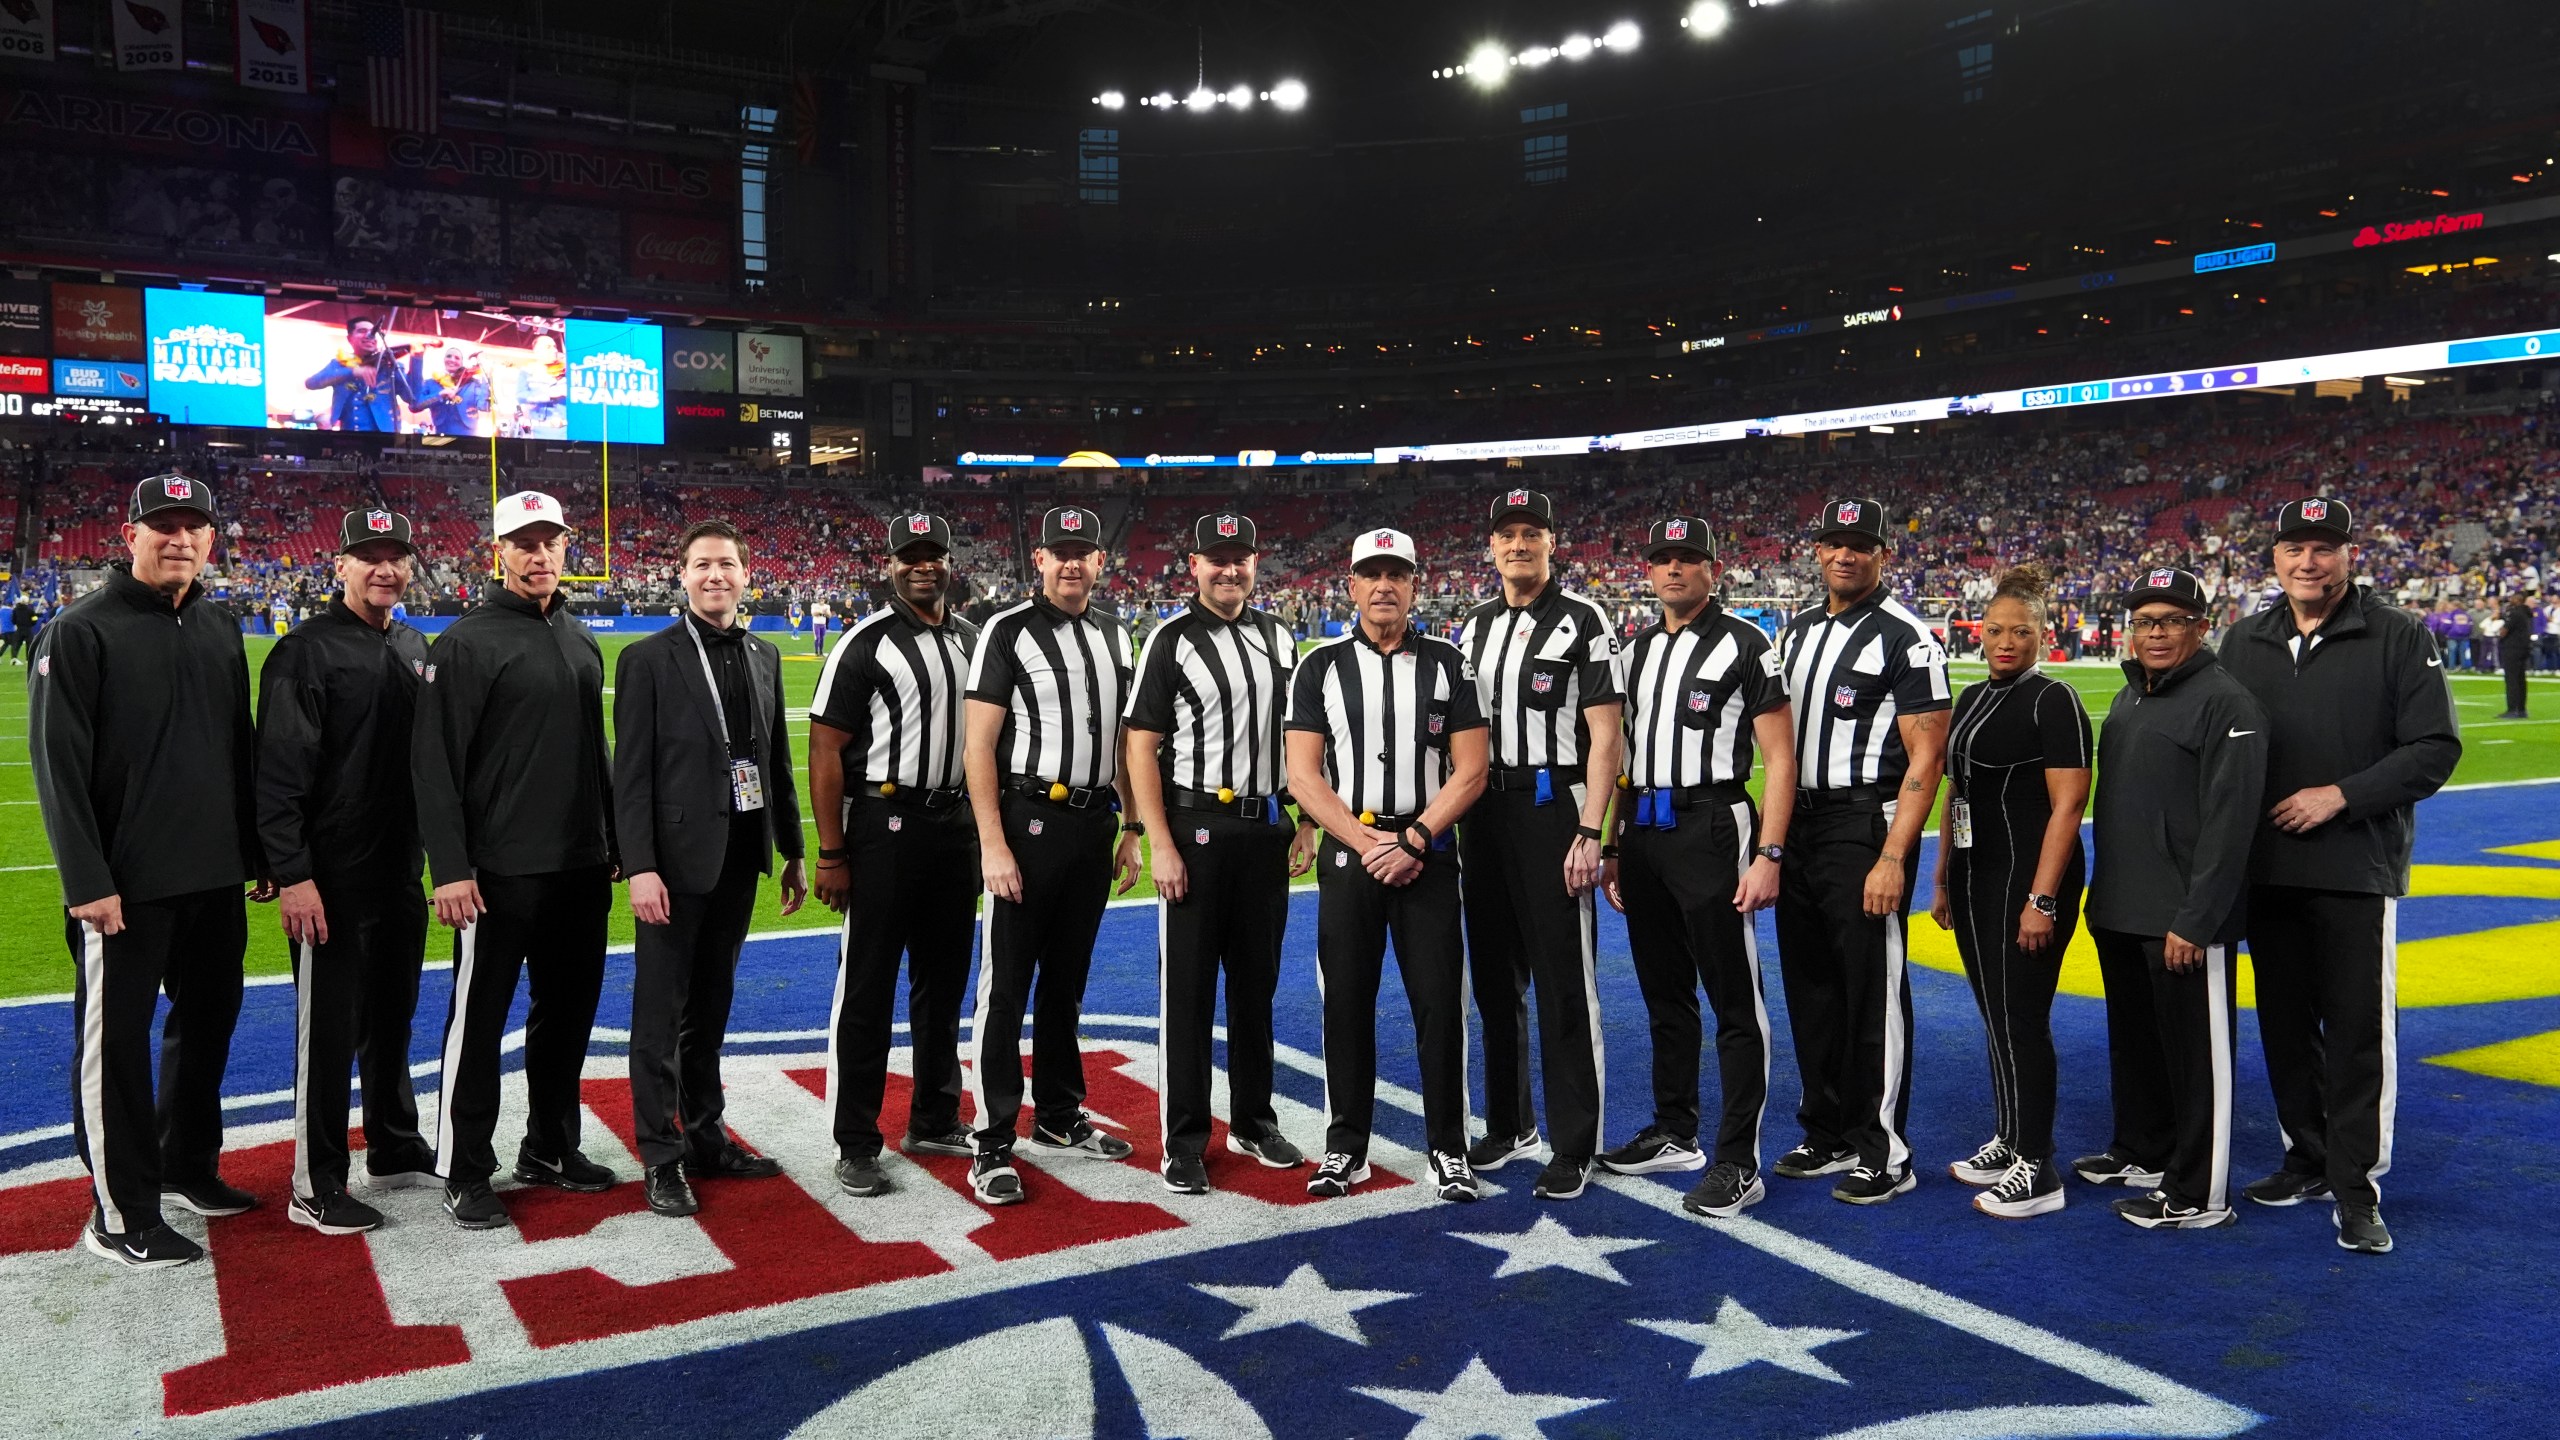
point(703, 795)
point(2515, 650)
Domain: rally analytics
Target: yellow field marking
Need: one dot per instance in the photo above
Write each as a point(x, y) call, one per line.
point(2534, 1059)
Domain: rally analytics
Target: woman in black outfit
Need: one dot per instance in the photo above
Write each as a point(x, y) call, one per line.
point(2009, 875)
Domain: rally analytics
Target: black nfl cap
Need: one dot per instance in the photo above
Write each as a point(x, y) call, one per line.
point(907, 531)
point(2162, 582)
point(1521, 504)
point(1225, 528)
point(2316, 515)
point(363, 527)
point(172, 491)
point(1853, 516)
point(1071, 524)
point(1680, 532)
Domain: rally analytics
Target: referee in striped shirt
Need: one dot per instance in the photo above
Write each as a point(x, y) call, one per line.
point(1702, 686)
point(1207, 776)
point(1386, 751)
point(1543, 659)
point(1871, 700)
point(897, 854)
point(1043, 755)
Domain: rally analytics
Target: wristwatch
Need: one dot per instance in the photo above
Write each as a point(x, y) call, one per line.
point(1772, 852)
point(1133, 827)
point(2046, 906)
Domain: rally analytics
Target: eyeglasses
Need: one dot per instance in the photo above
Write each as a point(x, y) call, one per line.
point(2163, 624)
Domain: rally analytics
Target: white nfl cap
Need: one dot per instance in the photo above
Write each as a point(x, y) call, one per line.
point(1384, 544)
point(528, 507)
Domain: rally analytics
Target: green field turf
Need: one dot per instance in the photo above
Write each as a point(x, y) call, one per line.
point(33, 959)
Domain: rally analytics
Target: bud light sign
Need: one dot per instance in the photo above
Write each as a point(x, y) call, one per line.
point(617, 382)
point(208, 356)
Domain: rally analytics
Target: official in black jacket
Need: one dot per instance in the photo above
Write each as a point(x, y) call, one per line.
point(337, 818)
point(2360, 728)
point(138, 729)
point(2181, 763)
point(2515, 650)
point(703, 793)
point(515, 799)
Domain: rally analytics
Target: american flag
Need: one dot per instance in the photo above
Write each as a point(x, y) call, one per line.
point(400, 45)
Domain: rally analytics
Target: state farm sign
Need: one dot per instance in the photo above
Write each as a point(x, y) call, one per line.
point(2399, 230)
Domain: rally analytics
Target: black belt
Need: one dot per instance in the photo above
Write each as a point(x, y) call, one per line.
point(1074, 797)
point(1687, 797)
point(1243, 807)
point(912, 796)
point(1515, 777)
point(1845, 795)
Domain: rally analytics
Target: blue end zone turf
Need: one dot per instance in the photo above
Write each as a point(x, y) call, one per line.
point(1159, 1315)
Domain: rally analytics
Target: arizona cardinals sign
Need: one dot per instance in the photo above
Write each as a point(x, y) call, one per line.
point(272, 49)
point(148, 35)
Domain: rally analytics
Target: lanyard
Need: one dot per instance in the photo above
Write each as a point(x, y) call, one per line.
point(703, 654)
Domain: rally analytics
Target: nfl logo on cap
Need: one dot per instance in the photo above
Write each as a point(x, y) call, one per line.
point(1676, 530)
point(1226, 524)
point(1071, 520)
point(2315, 509)
point(1386, 540)
point(178, 487)
point(529, 501)
point(2160, 579)
point(1849, 512)
point(378, 521)
point(919, 525)
point(1516, 497)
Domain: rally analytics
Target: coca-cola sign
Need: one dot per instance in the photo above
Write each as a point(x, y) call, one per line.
point(679, 249)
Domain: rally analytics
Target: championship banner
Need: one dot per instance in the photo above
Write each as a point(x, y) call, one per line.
point(150, 34)
point(26, 30)
point(274, 45)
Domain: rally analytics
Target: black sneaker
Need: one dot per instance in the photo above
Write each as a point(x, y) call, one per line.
point(474, 1206)
point(2030, 1188)
point(1269, 1149)
point(1727, 1191)
point(732, 1161)
point(157, 1248)
point(860, 1175)
point(2286, 1187)
point(407, 1170)
point(1564, 1177)
point(1870, 1185)
point(1495, 1151)
point(2109, 1168)
point(1337, 1174)
point(2360, 1228)
point(1186, 1174)
point(1986, 1166)
point(1454, 1178)
point(1082, 1139)
point(333, 1212)
point(573, 1171)
point(993, 1179)
point(207, 1195)
point(2156, 1211)
point(955, 1141)
point(669, 1192)
point(1809, 1160)
point(1654, 1149)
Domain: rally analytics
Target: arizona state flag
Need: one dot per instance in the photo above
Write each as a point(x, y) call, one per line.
point(150, 34)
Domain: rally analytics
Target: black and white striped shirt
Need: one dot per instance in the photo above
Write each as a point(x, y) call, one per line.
point(1852, 676)
point(1691, 698)
point(1062, 679)
point(894, 683)
point(1216, 690)
point(1537, 666)
point(1386, 717)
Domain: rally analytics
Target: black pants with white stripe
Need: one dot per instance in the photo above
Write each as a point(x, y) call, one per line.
point(2013, 988)
point(1684, 933)
point(1523, 926)
point(2169, 1053)
point(355, 998)
point(550, 929)
point(684, 974)
point(1355, 915)
point(2329, 1016)
point(1065, 858)
point(1848, 986)
point(1231, 919)
point(190, 946)
point(915, 896)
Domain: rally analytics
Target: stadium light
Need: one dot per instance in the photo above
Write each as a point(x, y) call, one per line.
point(1575, 47)
point(1200, 99)
point(1290, 94)
point(1622, 36)
point(1534, 56)
point(1485, 65)
point(1110, 99)
point(1240, 97)
point(1707, 19)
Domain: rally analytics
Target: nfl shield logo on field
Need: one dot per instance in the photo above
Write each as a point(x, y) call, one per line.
point(1200, 836)
point(1846, 697)
point(1037, 826)
point(2315, 509)
point(1226, 524)
point(377, 521)
point(1699, 700)
point(1541, 684)
point(2160, 579)
point(897, 823)
point(1849, 513)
